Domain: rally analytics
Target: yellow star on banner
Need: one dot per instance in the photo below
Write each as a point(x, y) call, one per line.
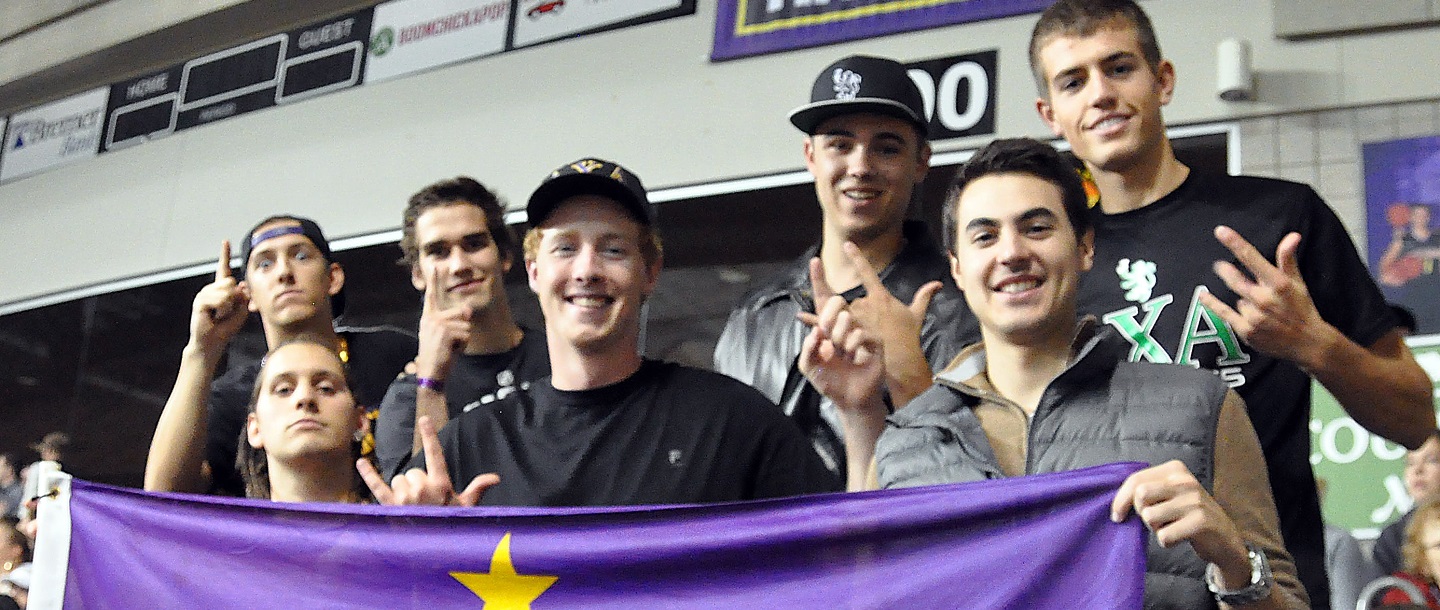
point(502, 588)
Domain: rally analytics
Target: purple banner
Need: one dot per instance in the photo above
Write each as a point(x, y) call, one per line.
point(1402, 194)
point(755, 27)
point(1033, 542)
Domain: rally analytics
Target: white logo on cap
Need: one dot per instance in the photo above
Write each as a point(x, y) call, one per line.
point(847, 84)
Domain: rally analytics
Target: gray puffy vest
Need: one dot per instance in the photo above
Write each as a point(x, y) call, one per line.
point(1099, 410)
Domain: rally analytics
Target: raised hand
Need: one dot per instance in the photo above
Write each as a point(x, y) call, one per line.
point(839, 356)
point(847, 364)
point(220, 308)
point(1274, 312)
point(892, 322)
point(443, 331)
point(430, 486)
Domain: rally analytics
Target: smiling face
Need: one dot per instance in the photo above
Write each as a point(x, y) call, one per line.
point(865, 166)
point(288, 279)
point(590, 275)
point(1104, 98)
point(304, 407)
point(1017, 258)
point(455, 245)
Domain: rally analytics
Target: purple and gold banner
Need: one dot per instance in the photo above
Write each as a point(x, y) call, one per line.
point(1033, 542)
point(755, 27)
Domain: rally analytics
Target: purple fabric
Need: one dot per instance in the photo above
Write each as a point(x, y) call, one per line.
point(1032, 542)
point(747, 27)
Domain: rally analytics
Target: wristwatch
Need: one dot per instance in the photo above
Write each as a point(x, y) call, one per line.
point(1261, 581)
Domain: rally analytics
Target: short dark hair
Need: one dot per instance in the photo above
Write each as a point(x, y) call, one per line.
point(460, 190)
point(1404, 318)
point(1084, 18)
point(1019, 156)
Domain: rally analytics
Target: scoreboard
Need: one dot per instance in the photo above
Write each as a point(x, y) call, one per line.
point(275, 70)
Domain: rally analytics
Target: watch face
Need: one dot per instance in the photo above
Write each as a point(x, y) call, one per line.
point(1261, 581)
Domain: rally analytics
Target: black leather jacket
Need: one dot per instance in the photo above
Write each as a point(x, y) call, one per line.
point(762, 339)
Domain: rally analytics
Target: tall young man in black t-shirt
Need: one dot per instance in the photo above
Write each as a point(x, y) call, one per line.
point(289, 277)
point(609, 427)
point(1181, 267)
point(458, 249)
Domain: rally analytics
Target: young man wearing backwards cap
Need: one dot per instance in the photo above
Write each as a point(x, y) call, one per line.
point(289, 277)
point(866, 146)
point(609, 427)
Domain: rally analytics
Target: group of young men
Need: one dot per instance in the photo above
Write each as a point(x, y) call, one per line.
point(862, 343)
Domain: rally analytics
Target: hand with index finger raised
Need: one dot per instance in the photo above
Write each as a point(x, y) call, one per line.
point(897, 325)
point(442, 331)
point(219, 309)
point(431, 486)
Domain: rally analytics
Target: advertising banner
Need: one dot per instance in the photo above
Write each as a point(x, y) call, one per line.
point(545, 20)
point(754, 27)
point(1402, 194)
point(60, 132)
point(1363, 471)
point(413, 35)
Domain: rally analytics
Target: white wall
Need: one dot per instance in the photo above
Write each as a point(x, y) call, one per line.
point(646, 97)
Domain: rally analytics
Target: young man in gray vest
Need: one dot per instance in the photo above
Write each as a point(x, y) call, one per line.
point(1043, 393)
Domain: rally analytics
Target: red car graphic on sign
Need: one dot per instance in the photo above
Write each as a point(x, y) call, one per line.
point(552, 6)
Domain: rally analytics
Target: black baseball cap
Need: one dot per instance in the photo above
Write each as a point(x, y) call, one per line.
point(862, 84)
point(306, 227)
point(590, 176)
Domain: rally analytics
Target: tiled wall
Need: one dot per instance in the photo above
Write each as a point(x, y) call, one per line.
point(1322, 149)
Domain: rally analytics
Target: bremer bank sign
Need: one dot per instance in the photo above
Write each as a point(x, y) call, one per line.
point(412, 35)
point(56, 133)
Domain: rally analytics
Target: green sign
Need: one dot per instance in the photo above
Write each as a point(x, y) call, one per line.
point(1366, 490)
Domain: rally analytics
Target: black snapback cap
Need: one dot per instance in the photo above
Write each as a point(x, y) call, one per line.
point(862, 84)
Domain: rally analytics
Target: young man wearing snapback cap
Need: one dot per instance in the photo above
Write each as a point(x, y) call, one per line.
point(866, 146)
point(609, 427)
point(289, 277)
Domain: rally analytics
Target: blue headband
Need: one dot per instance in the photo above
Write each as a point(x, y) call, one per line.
point(276, 232)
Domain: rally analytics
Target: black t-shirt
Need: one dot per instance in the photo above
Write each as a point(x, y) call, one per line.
point(669, 434)
point(1150, 264)
point(377, 355)
point(473, 381)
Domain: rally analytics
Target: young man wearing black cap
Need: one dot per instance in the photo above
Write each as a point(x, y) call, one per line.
point(1253, 278)
point(289, 277)
point(609, 427)
point(458, 249)
point(866, 146)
